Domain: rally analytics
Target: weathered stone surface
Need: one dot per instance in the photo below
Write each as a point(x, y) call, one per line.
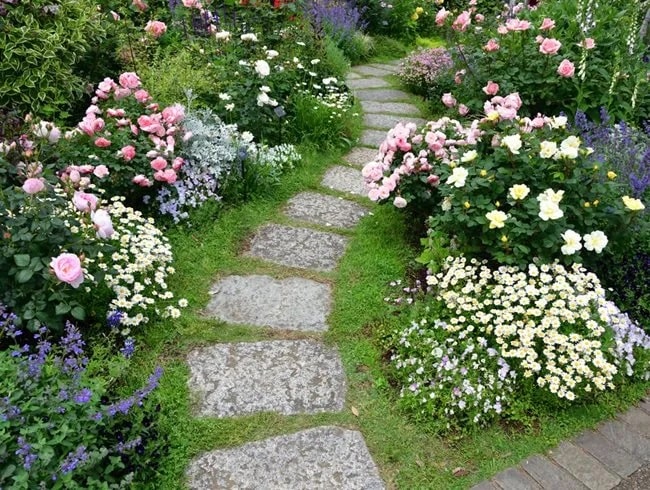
point(284, 376)
point(624, 436)
point(298, 247)
point(386, 121)
point(390, 66)
point(583, 467)
point(287, 304)
point(353, 76)
point(638, 420)
point(360, 156)
point(372, 71)
point(386, 94)
point(324, 210)
point(613, 457)
point(639, 480)
point(372, 137)
point(645, 405)
point(549, 475)
point(485, 485)
point(344, 179)
point(379, 107)
point(515, 479)
point(315, 459)
point(363, 83)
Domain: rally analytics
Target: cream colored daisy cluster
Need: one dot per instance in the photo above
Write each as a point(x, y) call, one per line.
point(551, 323)
point(451, 379)
point(137, 271)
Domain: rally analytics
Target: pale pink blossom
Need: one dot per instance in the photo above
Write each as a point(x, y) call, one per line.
point(547, 24)
point(115, 15)
point(122, 93)
point(103, 224)
point(115, 112)
point(178, 163)
point(491, 88)
point(517, 25)
point(33, 185)
point(399, 202)
point(107, 85)
point(448, 100)
point(140, 5)
point(441, 16)
point(192, 4)
point(100, 171)
point(158, 163)
point(151, 124)
point(492, 45)
point(462, 21)
point(141, 180)
point(502, 30)
point(84, 202)
point(155, 28)
point(566, 69)
point(128, 153)
point(102, 143)
point(67, 268)
point(588, 43)
point(550, 46)
point(142, 96)
point(173, 114)
point(463, 110)
point(479, 18)
point(129, 80)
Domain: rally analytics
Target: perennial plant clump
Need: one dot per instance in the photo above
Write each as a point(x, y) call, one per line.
point(422, 70)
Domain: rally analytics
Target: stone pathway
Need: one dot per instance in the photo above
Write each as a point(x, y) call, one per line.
point(615, 455)
point(290, 377)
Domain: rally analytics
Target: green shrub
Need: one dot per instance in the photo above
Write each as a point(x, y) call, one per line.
point(41, 44)
point(358, 47)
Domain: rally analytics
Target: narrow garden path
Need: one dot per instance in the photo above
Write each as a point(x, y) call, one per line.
point(306, 376)
point(290, 376)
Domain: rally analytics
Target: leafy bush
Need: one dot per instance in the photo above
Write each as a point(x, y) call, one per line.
point(42, 42)
point(505, 188)
point(563, 55)
point(61, 425)
point(422, 70)
point(499, 342)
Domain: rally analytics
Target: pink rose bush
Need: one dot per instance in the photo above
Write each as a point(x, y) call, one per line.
point(134, 142)
point(492, 184)
point(67, 268)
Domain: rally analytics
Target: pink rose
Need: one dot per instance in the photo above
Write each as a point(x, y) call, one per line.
point(539, 38)
point(74, 176)
point(588, 43)
point(458, 77)
point(479, 18)
point(462, 21)
point(491, 88)
point(547, 24)
point(102, 221)
point(115, 15)
point(158, 163)
point(141, 180)
point(433, 180)
point(107, 85)
point(102, 143)
point(128, 153)
point(115, 112)
point(399, 202)
point(67, 268)
point(173, 114)
point(517, 25)
point(550, 46)
point(100, 171)
point(93, 109)
point(463, 110)
point(122, 93)
point(167, 175)
point(33, 186)
point(506, 113)
point(155, 28)
point(566, 69)
point(142, 96)
point(512, 100)
point(84, 202)
point(151, 124)
point(86, 169)
point(91, 124)
point(448, 100)
point(441, 16)
point(492, 45)
point(178, 163)
point(502, 30)
point(153, 106)
point(140, 5)
point(129, 80)
point(192, 4)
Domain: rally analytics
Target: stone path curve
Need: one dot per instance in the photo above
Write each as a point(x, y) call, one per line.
point(294, 376)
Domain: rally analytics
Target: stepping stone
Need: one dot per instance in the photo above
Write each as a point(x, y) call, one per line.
point(401, 108)
point(345, 179)
point(360, 156)
point(263, 301)
point(352, 76)
point(325, 210)
point(284, 376)
point(550, 475)
point(638, 420)
point(373, 137)
point(584, 467)
point(380, 95)
point(385, 121)
point(485, 485)
point(361, 83)
point(515, 479)
point(314, 459)
point(297, 247)
point(372, 71)
point(613, 457)
point(624, 436)
point(392, 66)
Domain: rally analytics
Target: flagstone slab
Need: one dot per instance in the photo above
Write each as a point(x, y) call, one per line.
point(624, 436)
point(360, 156)
point(392, 66)
point(286, 304)
point(298, 247)
point(610, 455)
point(515, 479)
point(323, 458)
point(353, 76)
point(325, 210)
point(584, 467)
point(379, 107)
point(363, 83)
point(373, 71)
point(344, 179)
point(382, 94)
point(485, 485)
point(388, 121)
point(284, 376)
point(373, 137)
point(549, 475)
point(638, 420)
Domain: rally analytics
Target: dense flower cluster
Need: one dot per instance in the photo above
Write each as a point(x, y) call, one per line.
point(423, 68)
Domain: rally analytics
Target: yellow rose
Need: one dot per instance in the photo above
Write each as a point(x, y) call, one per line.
point(587, 204)
point(467, 204)
point(415, 16)
point(519, 191)
point(596, 202)
point(633, 204)
point(504, 239)
point(483, 173)
point(611, 175)
point(419, 10)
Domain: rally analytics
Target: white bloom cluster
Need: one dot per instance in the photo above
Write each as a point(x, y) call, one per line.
point(137, 271)
point(549, 322)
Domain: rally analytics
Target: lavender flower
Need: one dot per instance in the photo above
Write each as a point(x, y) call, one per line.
point(74, 460)
point(25, 451)
point(114, 319)
point(83, 396)
point(129, 348)
point(339, 19)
